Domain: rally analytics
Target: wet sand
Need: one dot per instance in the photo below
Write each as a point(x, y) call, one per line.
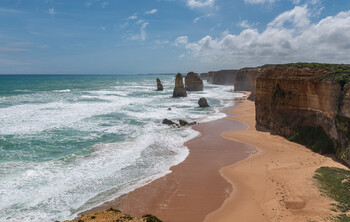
point(195, 187)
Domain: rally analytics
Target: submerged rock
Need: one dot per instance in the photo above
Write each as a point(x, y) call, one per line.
point(193, 82)
point(179, 90)
point(202, 102)
point(159, 85)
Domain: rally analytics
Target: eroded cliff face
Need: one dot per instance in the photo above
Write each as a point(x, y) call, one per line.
point(222, 77)
point(290, 98)
point(193, 82)
point(203, 76)
point(246, 80)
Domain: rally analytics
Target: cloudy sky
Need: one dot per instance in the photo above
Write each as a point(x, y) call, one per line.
point(167, 36)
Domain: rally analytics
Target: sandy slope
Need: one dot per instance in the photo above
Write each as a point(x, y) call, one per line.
point(276, 183)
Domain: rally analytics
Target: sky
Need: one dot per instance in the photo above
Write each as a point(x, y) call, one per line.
point(168, 36)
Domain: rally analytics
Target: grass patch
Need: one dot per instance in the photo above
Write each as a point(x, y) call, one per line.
point(335, 183)
point(127, 217)
point(151, 218)
point(114, 210)
point(313, 137)
point(339, 73)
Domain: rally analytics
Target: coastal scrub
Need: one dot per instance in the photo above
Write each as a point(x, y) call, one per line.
point(335, 183)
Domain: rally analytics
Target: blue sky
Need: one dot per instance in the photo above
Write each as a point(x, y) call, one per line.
point(167, 36)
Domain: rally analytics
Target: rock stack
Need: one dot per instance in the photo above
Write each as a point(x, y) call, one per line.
point(179, 90)
point(159, 85)
point(193, 82)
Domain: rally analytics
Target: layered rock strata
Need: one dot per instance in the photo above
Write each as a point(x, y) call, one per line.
point(293, 98)
point(179, 90)
point(246, 80)
point(222, 77)
point(193, 82)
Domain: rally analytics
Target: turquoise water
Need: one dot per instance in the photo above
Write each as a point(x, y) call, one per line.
point(69, 143)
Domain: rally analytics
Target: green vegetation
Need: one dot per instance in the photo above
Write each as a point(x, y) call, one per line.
point(151, 218)
point(313, 137)
point(335, 183)
point(127, 216)
point(278, 92)
point(339, 72)
point(114, 210)
point(343, 124)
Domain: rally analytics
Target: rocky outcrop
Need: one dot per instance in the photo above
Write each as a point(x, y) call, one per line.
point(202, 102)
point(306, 101)
point(182, 122)
point(168, 122)
point(113, 215)
point(246, 80)
point(203, 76)
point(179, 90)
point(193, 82)
point(222, 77)
point(159, 85)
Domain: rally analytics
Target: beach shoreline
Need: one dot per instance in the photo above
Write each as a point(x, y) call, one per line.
point(194, 182)
point(272, 182)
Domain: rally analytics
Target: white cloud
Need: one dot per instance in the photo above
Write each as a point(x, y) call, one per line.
point(142, 35)
point(181, 40)
point(202, 17)
point(259, 1)
point(245, 24)
point(132, 17)
point(290, 37)
point(51, 11)
point(150, 12)
point(200, 3)
point(299, 17)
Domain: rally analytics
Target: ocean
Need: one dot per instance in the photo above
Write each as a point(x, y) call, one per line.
point(71, 142)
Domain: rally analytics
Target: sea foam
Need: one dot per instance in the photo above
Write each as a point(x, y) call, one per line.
point(66, 150)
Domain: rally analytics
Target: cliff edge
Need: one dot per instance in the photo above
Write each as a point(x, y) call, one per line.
point(309, 103)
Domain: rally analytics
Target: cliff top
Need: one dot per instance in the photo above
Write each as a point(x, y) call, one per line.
point(310, 71)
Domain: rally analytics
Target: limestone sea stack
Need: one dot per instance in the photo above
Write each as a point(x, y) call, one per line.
point(202, 102)
point(193, 82)
point(179, 90)
point(159, 85)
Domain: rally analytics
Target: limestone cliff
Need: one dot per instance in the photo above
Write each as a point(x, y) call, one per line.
point(193, 82)
point(246, 80)
point(179, 89)
point(203, 76)
point(306, 100)
point(222, 77)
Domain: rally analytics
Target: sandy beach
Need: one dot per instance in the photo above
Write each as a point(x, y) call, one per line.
point(235, 173)
point(275, 184)
point(195, 187)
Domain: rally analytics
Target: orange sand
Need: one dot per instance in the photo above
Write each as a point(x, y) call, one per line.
point(275, 184)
